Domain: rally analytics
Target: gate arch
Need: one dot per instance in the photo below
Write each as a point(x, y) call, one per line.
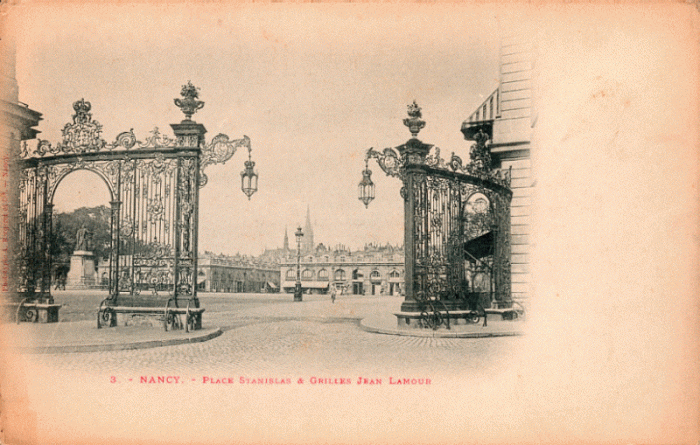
point(52, 190)
point(154, 190)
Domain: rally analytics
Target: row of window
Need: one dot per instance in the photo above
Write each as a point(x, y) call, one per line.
point(355, 259)
point(215, 275)
point(339, 275)
point(237, 286)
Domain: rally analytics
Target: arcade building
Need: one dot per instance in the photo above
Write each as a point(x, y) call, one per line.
point(373, 270)
point(236, 273)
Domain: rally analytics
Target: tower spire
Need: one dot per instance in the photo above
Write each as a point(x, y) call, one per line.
point(308, 232)
point(285, 245)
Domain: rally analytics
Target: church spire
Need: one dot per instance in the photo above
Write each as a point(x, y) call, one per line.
point(308, 240)
point(286, 239)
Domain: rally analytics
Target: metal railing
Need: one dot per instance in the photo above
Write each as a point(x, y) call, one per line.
point(488, 110)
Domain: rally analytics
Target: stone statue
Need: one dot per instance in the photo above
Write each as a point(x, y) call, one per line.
point(82, 239)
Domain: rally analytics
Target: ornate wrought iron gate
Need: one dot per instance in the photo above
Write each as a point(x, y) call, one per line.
point(457, 223)
point(154, 190)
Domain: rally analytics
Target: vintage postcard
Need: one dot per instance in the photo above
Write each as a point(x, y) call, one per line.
point(349, 223)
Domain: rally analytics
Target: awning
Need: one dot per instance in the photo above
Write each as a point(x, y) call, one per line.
point(307, 284)
point(271, 285)
point(480, 246)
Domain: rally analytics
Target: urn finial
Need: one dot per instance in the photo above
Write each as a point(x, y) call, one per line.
point(189, 103)
point(414, 121)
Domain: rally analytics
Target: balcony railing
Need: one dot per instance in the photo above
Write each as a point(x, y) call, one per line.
point(482, 119)
point(488, 110)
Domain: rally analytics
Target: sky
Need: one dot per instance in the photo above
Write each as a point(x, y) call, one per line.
point(313, 86)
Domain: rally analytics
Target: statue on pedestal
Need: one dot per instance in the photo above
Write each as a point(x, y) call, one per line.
point(82, 238)
point(82, 273)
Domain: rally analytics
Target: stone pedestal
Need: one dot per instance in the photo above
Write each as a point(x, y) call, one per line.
point(33, 312)
point(82, 271)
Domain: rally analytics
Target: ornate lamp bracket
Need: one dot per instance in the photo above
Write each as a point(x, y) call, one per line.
point(389, 161)
point(219, 150)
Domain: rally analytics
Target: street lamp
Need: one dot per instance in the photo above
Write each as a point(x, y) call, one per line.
point(366, 187)
point(297, 285)
point(249, 178)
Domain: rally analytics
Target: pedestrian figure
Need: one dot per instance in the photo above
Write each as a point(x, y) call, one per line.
point(332, 294)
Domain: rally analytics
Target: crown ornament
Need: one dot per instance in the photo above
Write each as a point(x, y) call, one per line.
point(82, 111)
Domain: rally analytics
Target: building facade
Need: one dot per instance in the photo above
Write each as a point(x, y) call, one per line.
point(222, 273)
point(219, 273)
point(507, 117)
point(374, 270)
point(17, 124)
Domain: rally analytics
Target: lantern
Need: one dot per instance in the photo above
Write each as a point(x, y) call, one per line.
point(366, 187)
point(249, 179)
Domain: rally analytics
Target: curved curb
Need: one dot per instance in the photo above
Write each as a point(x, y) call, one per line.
point(434, 334)
point(119, 346)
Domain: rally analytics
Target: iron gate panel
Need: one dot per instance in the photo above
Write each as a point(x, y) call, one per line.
point(441, 218)
point(154, 198)
point(443, 225)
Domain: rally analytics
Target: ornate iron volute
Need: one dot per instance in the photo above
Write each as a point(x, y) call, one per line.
point(480, 155)
point(189, 103)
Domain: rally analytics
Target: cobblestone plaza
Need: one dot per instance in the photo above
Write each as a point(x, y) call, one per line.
point(269, 334)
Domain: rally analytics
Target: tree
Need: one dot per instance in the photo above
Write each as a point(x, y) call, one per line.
point(66, 225)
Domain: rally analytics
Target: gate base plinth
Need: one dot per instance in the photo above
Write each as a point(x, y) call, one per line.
point(408, 320)
point(410, 306)
point(30, 312)
point(48, 313)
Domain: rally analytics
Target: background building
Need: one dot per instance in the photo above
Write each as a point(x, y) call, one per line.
point(17, 122)
point(17, 119)
point(224, 273)
point(373, 270)
point(237, 273)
